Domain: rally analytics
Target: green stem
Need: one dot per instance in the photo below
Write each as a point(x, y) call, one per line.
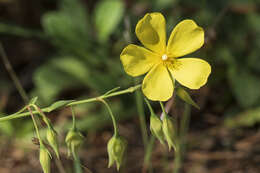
point(128, 90)
point(77, 164)
point(59, 165)
point(184, 126)
point(181, 142)
point(177, 160)
point(73, 119)
point(35, 125)
point(163, 109)
point(44, 117)
point(149, 106)
point(140, 110)
point(148, 154)
point(13, 75)
point(112, 116)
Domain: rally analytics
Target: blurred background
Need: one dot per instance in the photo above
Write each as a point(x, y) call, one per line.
point(69, 49)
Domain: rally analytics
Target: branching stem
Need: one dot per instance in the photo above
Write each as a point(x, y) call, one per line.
point(111, 115)
point(125, 91)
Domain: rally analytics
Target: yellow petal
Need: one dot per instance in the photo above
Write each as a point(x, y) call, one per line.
point(185, 38)
point(191, 72)
point(137, 60)
point(150, 30)
point(157, 84)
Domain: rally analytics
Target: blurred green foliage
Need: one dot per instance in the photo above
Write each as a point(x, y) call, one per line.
point(108, 13)
point(88, 38)
point(80, 56)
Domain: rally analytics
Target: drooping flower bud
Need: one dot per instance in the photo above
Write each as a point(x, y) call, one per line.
point(168, 131)
point(74, 139)
point(51, 136)
point(45, 159)
point(156, 127)
point(116, 148)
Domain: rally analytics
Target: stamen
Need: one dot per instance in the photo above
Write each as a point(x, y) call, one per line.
point(164, 57)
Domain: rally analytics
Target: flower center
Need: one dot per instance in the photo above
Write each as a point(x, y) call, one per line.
point(164, 57)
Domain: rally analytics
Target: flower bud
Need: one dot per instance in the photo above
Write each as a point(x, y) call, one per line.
point(45, 159)
point(53, 141)
point(116, 148)
point(156, 127)
point(74, 139)
point(168, 131)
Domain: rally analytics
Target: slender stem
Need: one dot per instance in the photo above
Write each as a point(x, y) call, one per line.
point(184, 125)
point(60, 165)
point(149, 106)
point(149, 148)
point(111, 115)
point(163, 110)
point(35, 124)
point(77, 164)
point(128, 90)
point(13, 75)
point(177, 161)
point(140, 109)
point(44, 117)
point(73, 119)
point(148, 154)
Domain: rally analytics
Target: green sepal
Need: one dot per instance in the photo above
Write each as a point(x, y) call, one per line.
point(184, 95)
point(116, 149)
point(51, 136)
point(156, 127)
point(111, 159)
point(169, 131)
point(74, 139)
point(155, 124)
point(58, 104)
point(45, 158)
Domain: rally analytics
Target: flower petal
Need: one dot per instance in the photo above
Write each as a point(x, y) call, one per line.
point(137, 60)
point(150, 30)
point(191, 72)
point(157, 84)
point(185, 38)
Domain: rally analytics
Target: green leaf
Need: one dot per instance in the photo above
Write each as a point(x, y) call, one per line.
point(254, 21)
point(108, 14)
point(244, 85)
point(57, 74)
point(244, 119)
point(58, 104)
point(184, 95)
point(63, 30)
point(68, 27)
point(253, 60)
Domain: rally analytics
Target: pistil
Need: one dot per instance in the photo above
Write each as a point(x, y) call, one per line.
point(164, 57)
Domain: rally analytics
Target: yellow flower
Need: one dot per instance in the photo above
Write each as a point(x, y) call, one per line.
point(161, 60)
